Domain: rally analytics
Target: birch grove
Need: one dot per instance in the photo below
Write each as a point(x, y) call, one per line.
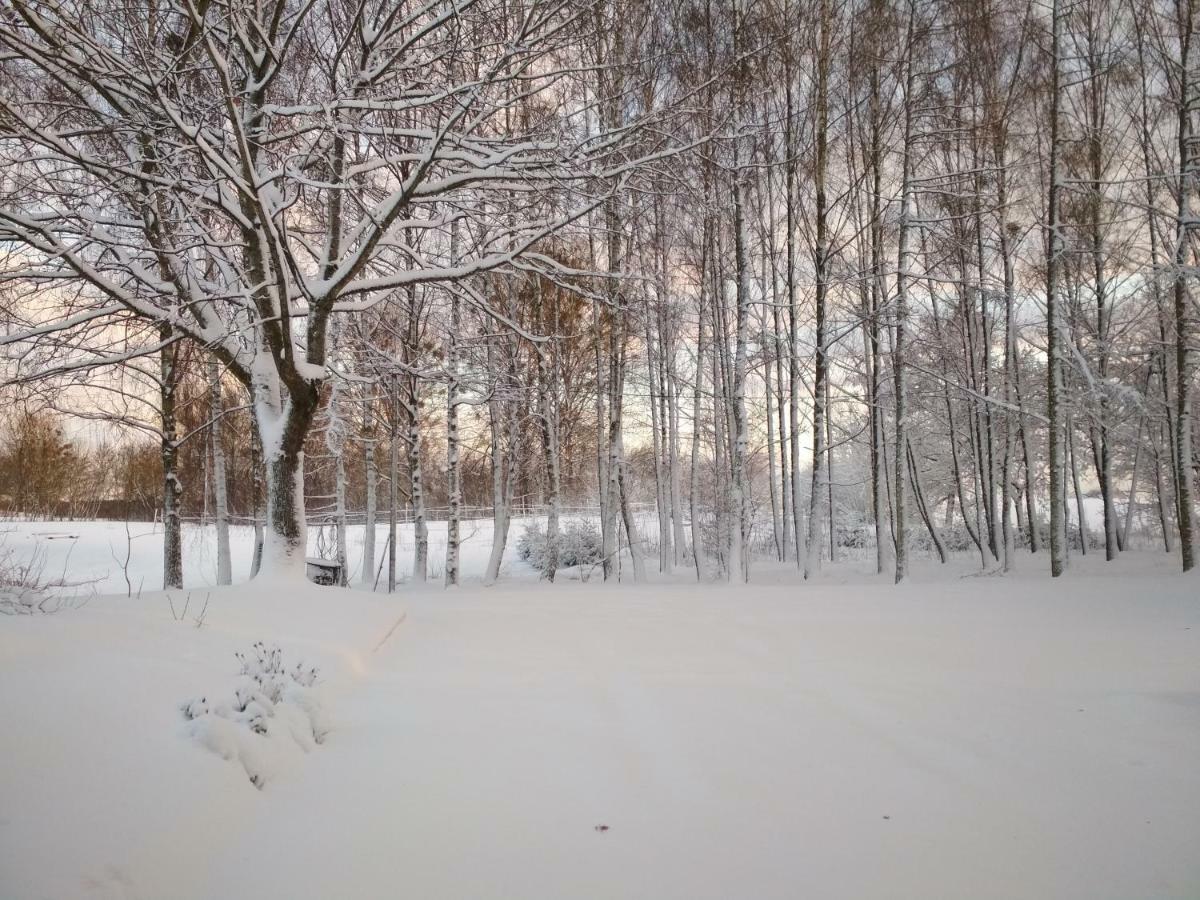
point(737, 285)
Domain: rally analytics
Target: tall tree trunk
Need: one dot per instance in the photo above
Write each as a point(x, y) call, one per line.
point(220, 480)
point(772, 474)
point(1133, 478)
point(1164, 516)
point(256, 496)
point(880, 505)
point(1011, 421)
point(820, 474)
point(393, 479)
point(698, 554)
point(923, 507)
point(1031, 517)
point(453, 461)
point(417, 485)
point(793, 314)
point(832, 510)
point(739, 536)
point(661, 503)
point(785, 472)
point(1185, 226)
point(341, 518)
point(1055, 333)
point(904, 268)
point(547, 386)
point(1080, 510)
point(501, 514)
point(674, 399)
point(169, 452)
point(1096, 63)
point(371, 475)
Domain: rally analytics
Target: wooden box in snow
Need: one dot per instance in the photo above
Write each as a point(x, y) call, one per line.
point(323, 571)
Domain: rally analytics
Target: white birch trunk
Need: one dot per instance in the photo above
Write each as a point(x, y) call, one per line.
point(501, 513)
point(219, 479)
point(1055, 332)
point(453, 463)
point(698, 554)
point(420, 527)
point(739, 529)
point(371, 474)
point(904, 269)
point(815, 543)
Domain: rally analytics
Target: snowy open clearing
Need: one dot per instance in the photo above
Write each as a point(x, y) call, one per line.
point(956, 737)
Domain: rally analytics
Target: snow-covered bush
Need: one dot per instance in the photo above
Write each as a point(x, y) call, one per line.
point(579, 544)
point(272, 712)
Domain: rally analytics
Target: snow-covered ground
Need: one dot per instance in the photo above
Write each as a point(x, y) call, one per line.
point(960, 736)
point(101, 554)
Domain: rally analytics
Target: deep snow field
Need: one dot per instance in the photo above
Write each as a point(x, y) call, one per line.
point(961, 736)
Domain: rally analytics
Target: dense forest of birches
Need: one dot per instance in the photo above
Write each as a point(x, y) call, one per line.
point(749, 279)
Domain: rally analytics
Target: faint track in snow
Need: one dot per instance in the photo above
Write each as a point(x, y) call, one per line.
point(390, 631)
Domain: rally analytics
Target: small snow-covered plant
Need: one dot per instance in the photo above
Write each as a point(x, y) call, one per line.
point(302, 676)
point(262, 660)
point(272, 708)
point(579, 544)
point(194, 709)
point(263, 666)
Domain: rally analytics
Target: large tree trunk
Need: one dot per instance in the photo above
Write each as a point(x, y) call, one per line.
point(286, 537)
